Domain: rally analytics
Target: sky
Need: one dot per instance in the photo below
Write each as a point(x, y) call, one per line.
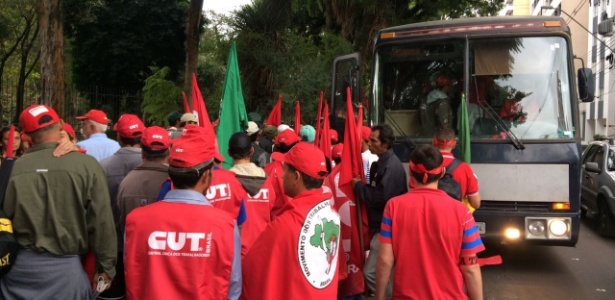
point(224, 6)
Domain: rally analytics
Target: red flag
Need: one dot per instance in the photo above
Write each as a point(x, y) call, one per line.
point(275, 117)
point(325, 139)
point(9, 144)
point(297, 118)
point(186, 106)
point(199, 105)
point(318, 115)
point(352, 164)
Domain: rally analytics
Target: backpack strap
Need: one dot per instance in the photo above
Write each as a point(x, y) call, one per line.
point(452, 166)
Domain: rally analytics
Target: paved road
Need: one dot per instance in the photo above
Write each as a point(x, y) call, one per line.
point(584, 272)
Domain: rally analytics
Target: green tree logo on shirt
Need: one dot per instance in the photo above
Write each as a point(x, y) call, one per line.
point(325, 238)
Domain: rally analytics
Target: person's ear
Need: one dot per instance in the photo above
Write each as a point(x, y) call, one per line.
point(251, 151)
point(443, 172)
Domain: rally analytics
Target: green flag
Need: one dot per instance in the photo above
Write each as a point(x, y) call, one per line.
point(464, 132)
point(233, 116)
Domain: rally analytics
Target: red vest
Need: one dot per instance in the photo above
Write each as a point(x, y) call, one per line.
point(178, 251)
point(275, 170)
point(225, 192)
point(258, 209)
point(296, 257)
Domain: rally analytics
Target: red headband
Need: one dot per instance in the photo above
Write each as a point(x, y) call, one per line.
point(438, 143)
point(420, 168)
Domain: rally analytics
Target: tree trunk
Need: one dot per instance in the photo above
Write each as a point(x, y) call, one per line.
point(52, 53)
point(192, 43)
point(26, 46)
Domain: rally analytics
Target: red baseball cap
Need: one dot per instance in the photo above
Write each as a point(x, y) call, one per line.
point(307, 159)
point(155, 137)
point(95, 115)
point(69, 129)
point(194, 147)
point(333, 135)
point(286, 137)
point(336, 151)
point(37, 116)
point(365, 133)
point(129, 126)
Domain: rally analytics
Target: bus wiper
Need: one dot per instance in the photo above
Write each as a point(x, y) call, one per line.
point(513, 138)
point(410, 144)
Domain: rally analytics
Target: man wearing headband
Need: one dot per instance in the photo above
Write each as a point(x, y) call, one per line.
point(439, 231)
point(444, 140)
point(182, 247)
point(387, 180)
point(297, 255)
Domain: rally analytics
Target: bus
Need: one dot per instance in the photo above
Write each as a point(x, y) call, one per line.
point(516, 76)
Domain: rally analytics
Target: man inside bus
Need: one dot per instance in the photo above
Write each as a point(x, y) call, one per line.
point(435, 110)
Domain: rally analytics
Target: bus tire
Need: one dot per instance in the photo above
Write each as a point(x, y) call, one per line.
point(606, 224)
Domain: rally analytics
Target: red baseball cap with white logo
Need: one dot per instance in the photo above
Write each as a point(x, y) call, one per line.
point(156, 137)
point(69, 129)
point(129, 126)
point(95, 115)
point(336, 151)
point(307, 159)
point(365, 133)
point(194, 147)
point(36, 117)
point(333, 135)
point(286, 137)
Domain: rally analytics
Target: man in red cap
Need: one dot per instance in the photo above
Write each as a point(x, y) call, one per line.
point(333, 135)
point(140, 186)
point(284, 141)
point(97, 144)
point(129, 130)
point(368, 157)
point(298, 253)
point(439, 232)
point(182, 247)
point(56, 221)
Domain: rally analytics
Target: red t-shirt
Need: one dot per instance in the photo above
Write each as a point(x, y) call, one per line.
point(297, 255)
point(226, 192)
point(464, 175)
point(429, 232)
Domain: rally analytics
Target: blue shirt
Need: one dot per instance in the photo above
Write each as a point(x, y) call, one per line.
point(99, 146)
point(192, 197)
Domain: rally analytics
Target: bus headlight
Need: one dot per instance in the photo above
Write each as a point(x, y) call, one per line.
point(536, 227)
point(558, 227)
point(512, 233)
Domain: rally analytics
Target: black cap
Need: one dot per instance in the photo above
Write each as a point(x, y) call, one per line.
point(239, 144)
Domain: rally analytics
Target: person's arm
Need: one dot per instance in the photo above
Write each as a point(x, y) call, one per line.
point(101, 226)
point(234, 290)
point(386, 188)
point(242, 216)
point(472, 278)
point(383, 269)
point(474, 200)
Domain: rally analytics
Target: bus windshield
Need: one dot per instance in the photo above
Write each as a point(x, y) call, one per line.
point(517, 86)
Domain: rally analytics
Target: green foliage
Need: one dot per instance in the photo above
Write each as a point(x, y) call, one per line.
point(115, 42)
point(160, 96)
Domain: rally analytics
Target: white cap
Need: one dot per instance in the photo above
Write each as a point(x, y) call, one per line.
point(283, 127)
point(252, 128)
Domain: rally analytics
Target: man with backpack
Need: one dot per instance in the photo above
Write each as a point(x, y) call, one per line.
point(461, 172)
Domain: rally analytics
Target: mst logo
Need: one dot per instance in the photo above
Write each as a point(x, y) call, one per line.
point(318, 245)
point(195, 244)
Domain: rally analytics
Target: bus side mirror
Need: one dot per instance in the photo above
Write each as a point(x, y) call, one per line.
point(586, 83)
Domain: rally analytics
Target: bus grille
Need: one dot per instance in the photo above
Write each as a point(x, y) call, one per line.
point(515, 206)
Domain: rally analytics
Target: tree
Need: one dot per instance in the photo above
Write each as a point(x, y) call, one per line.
point(193, 30)
point(25, 48)
point(52, 53)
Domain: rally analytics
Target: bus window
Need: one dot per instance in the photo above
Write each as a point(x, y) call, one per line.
point(417, 86)
point(523, 84)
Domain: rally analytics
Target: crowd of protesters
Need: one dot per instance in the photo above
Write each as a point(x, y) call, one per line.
point(153, 215)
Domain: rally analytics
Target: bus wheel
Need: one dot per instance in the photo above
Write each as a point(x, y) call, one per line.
point(606, 223)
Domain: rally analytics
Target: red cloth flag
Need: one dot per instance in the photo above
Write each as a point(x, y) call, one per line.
point(186, 106)
point(318, 116)
point(201, 111)
point(275, 117)
point(360, 120)
point(352, 167)
point(10, 142)
point(298, 118)
point(325, 139)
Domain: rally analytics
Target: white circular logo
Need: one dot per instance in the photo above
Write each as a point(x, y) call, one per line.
point(319, 244)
